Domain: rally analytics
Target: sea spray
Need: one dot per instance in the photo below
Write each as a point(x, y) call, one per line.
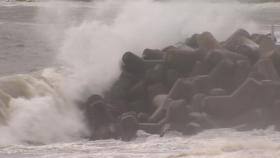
point(93, 49)
point(90, 51)
point(38, 112)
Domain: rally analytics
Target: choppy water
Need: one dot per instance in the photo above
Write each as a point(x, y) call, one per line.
point(83, 42)
point(218, 143)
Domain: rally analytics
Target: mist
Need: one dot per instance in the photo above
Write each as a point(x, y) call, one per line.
point(92, 48)
point(89, 40)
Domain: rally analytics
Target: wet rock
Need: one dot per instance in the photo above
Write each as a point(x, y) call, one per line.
point(171, 77)
point(199, 84)
point(206, 41)
point(213, 58)
point(132, 63)
point(242, 71)
point(230, 42)
point(165, 128)
point(181, 59)
point(98, 114)
point(202, 83)
point(267, 69)
point(248, 48)
point(168, 48)
point(151, 64)
point(275, 57)
point(218, 92)
point(222, 76)
point(159, 100)
point(176, 116)
point(100, 120)
point(270, 92)
point(118, 93)
point(257, 38)
point(257, 76)
point(129, 126)
point(155, 74)
point(105, 132)
point(137, 91)
point(203, 120)
point(241, 100)
point(197, 102)
point(92, 99)
point(160, 112)
point(240, 43)
point(192, 128)
point(197, 69)
point(155, 90)
point(140, 105)
point(228, 74)
point(152, 128)
point(88, 106)
point(142, 117)
point(152, 54)
point(182, 89)
point(177, 112)
point(185, 88)
point(192, 41)
point(265, 46)
point(275, 110)
point(254, 119)
point(170, 111)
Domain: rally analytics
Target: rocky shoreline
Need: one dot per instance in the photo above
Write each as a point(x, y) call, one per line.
point(198, 84)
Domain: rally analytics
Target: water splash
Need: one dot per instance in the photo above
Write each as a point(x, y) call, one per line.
point(90, 47)
point(93, 49)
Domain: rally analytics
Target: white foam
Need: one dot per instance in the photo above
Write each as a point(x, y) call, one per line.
point(93, 49)
point(216, 143)
point(37, 112)
point(91, 52)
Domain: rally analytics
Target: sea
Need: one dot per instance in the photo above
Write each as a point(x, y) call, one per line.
point(54, 54)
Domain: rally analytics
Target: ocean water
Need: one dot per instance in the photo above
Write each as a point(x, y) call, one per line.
point(218, 143)
point(54, 54)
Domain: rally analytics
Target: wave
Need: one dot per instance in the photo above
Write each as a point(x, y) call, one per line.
point(41, 107)
point(93, 48)
point(32, 109)
point(223, 143)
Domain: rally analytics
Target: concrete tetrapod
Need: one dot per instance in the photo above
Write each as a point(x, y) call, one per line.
point(241, 100)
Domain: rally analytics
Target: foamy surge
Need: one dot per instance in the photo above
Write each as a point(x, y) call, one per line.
point(218, 143)
point(40, 108)
point(33, 110)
